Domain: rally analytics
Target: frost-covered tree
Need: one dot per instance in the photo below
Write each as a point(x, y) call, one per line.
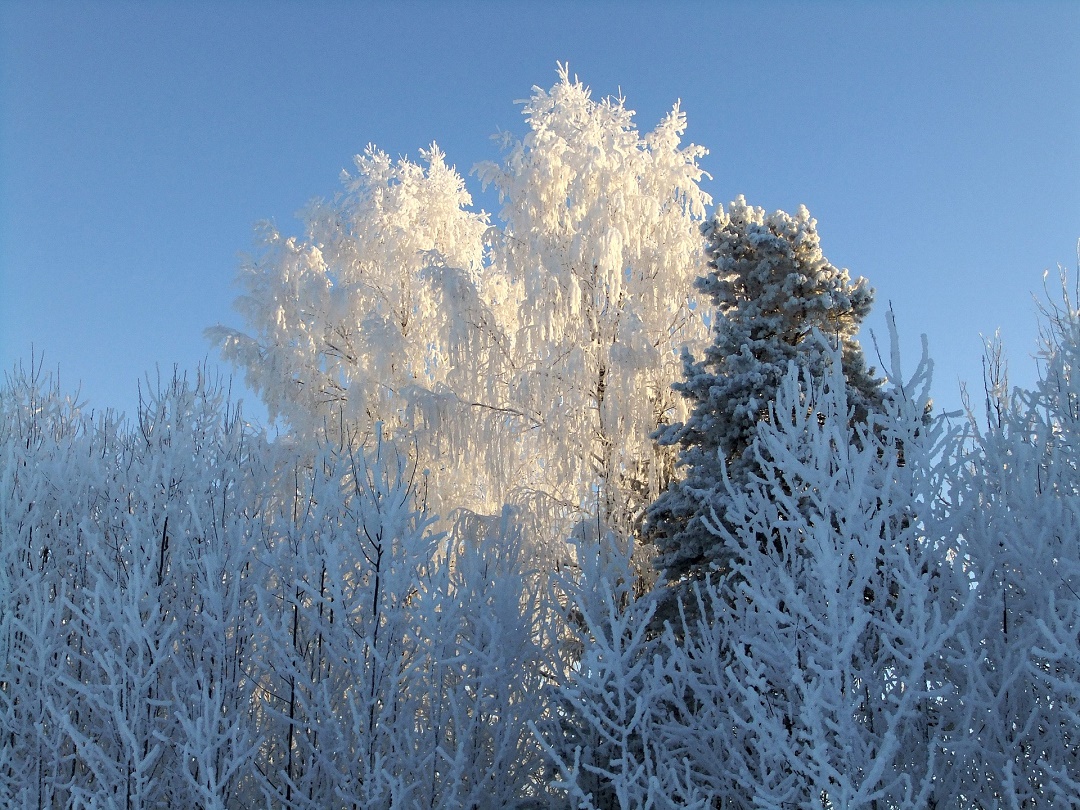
point(527, 361)
point(484, 671)
point(397, 673)
point(771, 287)
point(47, 479)
point(600, 245)
point(1017, 506)
point(819, 677)
point(376, 319)
point(344, 556)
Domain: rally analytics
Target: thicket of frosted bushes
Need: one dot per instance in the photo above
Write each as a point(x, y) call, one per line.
point(193, 616)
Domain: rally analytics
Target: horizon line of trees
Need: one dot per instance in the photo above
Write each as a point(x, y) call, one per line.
point(595, 506)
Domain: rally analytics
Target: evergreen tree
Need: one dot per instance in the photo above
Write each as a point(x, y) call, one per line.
point(772, 288)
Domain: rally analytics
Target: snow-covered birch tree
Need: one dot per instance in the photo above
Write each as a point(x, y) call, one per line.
point(526, 361)
point(351, 326)
point(601, 246)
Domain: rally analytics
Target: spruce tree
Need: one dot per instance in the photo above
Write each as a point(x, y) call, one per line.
point(772, 290)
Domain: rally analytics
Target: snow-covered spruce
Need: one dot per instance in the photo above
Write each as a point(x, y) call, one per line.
point(771, 287)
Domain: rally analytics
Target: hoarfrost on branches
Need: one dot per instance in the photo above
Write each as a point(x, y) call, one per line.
point(526, 361)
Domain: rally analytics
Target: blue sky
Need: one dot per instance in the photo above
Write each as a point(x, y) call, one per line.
point(938, 145)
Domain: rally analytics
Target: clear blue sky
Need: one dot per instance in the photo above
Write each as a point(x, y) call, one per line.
point(937, 144)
